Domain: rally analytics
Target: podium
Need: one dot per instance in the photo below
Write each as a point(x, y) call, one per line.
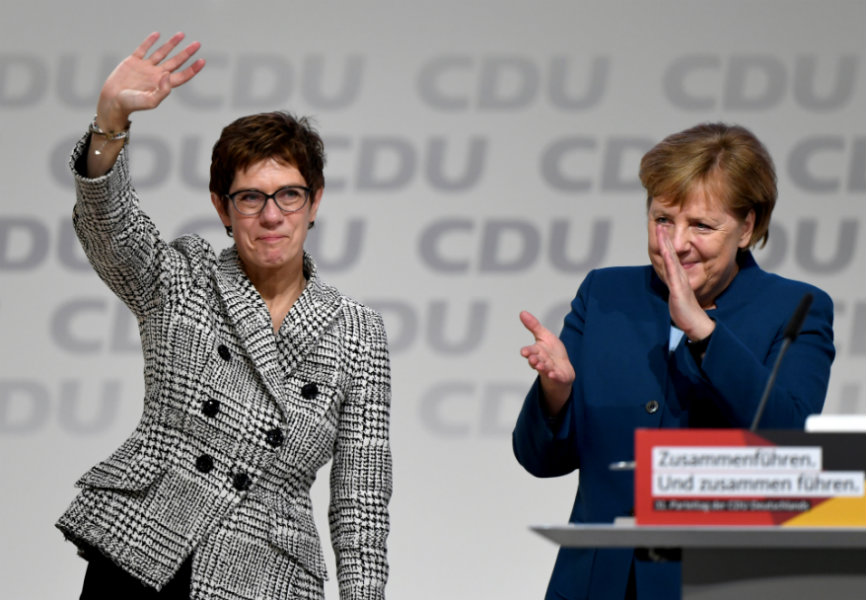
point(766, 515)
point(723, 562)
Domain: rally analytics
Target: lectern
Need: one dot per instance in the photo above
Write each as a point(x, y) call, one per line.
point(725, 562)
point(766, 514)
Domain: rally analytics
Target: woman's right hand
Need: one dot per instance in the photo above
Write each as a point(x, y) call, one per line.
point(139, 82)
point(550, 359)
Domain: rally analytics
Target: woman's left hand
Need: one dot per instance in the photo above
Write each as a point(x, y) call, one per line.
point(686, 311)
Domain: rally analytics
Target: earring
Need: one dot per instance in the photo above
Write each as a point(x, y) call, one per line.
point(311, 224)
point(229, 231)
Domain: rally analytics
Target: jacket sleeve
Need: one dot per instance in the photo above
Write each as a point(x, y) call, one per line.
point(739, 376)
point(120, 241)
point(544, 445)
point(361, 473)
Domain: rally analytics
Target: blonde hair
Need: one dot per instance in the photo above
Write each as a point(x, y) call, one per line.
point(728, 157)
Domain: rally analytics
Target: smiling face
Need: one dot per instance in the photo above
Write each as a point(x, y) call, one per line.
point(706, 237)
point(272, 242)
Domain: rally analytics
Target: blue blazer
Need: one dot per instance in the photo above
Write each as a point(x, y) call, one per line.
point(617, 337)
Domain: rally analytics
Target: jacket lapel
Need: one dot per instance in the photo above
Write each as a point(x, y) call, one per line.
point(250, 319)
point(307, 320)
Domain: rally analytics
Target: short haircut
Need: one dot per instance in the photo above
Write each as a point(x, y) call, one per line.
point(274, 135)
point(729, 157)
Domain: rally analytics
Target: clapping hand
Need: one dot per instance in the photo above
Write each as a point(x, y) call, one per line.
point(686, 312)
point(549, 357)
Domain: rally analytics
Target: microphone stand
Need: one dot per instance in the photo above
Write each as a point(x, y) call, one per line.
point(791, 332)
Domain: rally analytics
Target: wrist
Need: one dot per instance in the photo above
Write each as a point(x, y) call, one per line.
point(111, 133)
point(111, 114)
point(110, 136)
point(698, 348)
point(702, 332)
point(699, 345)
point(554, 395)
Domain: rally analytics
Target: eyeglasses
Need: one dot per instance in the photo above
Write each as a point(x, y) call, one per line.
point(289, 199)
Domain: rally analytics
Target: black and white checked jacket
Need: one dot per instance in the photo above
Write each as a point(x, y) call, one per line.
point(236, 420)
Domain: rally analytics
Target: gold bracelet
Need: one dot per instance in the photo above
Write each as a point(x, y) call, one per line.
point(110, 136)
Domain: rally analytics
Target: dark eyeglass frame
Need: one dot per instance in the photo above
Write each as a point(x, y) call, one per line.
point(307, 191)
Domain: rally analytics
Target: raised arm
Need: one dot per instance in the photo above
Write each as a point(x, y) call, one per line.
point(139, 82)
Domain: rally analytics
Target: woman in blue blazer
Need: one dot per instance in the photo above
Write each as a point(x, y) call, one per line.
point(688, 341)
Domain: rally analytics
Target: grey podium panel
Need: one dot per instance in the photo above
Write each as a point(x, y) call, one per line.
point(769, 573)
point(629, 535)
point(743, 562)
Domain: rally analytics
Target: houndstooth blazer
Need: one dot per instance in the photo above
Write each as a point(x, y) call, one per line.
point(236, 420)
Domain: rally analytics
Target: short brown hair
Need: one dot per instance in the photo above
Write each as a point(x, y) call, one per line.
point(729, 154)
point(254, 138)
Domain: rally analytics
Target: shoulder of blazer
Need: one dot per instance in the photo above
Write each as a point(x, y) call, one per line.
point(199, 255)
point(627, 284)
point(754, 285)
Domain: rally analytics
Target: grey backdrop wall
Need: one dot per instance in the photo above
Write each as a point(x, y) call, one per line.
point(482, 158)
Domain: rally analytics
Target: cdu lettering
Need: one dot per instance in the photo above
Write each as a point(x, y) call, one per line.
point(24, 243)
point(850, 322)
point(78, 89)
point(23, 80)
point(511, 82)
point(28, 407)
point(329, 256)
point(840, 237)
point(445, 330)
point(392, 163)
point(262, 81)
point(563, 159)
point(829, 164)
point(755, 82)
point(341, 250)
point(462, 409)
point(252, 81)
point(93, 326)
point(402, 322)
point(510, 246)
point(376, 163)
point(851, 399)
point(472, 327)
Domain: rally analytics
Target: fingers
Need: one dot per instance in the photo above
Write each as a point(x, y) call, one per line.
point(674, 272)
point(142, 49)
point(666, 248)
point(160, 53)
point(538, 360)
point(169, 64)
point(532, 324)
point(685, 310)
point(547, 355)
point(547, 366)
point(188, 73)
point(181, 57)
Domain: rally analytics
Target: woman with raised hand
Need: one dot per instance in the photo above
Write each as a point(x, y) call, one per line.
point(257, 373)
